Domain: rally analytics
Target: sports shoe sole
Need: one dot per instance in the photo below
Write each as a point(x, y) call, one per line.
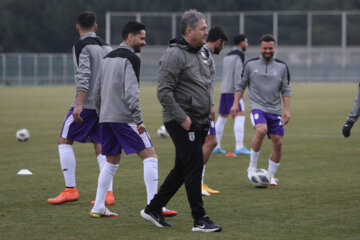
point(61, 201)
point(197, 229)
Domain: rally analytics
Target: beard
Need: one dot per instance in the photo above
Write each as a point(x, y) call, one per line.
point(268, 56)
point(137, 48)
point(217, 50)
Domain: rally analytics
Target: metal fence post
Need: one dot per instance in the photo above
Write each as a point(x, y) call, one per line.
point(36, 65)
point(4, 68)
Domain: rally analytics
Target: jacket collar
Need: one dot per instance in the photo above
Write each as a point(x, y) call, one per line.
point(182, 43)
point(124, 45)
point(89, 34)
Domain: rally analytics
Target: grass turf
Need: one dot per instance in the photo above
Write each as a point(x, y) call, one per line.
point(317, 197)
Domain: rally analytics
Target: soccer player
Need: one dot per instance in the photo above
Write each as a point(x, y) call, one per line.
point(232, 67)
point(214, 44)
point(267, 79)
point(116, 96)
point(353, 116)
point(81, 123)
point(184, 91)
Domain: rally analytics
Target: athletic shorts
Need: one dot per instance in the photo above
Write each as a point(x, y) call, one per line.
point(274, 122)
point(118, 136)
point(86, 131)
point(226, 102)
point(212, 128)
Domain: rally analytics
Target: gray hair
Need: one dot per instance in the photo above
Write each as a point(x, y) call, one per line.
point(190, 19)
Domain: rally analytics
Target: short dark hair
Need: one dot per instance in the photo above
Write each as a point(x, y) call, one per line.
point(132, 27)
point(86, 20)
point(216, 33)
point(267, 38)
point(239, 38)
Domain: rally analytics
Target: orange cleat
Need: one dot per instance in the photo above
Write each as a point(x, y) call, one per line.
point(69, 195)
point(168, 213)
point(109, 200)
point(209, 190)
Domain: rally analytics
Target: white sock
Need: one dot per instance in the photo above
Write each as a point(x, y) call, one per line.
point(101, 161)
point(253, 158)
point(219, 127)
point(203, 174)
point(68, 164)
point(151, 177)
point(105, 177)
point(273, 166)
point(239, 131)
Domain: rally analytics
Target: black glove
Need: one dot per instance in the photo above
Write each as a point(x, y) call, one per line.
point(346, 129)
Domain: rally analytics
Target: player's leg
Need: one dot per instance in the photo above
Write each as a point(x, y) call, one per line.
point(111, 148)
point(209, 144)
point(110, 199)
point(219, 126)
point(226, 101)
point(105, 178)
point(259, 122)
point(275, 156)
point(174, 179)
point(150, 164)
point(239, 129)
point(276, 132)
point(68, 134)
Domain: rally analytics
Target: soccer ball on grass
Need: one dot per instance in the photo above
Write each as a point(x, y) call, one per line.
point(23, 135)
point(260, 178)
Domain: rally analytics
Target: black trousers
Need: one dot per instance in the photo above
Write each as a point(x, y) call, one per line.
point(189, 162)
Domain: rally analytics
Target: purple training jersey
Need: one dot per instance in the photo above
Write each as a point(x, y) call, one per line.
point(87, 130)
point(274, 122)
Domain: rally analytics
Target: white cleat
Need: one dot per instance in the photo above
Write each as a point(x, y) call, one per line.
point(273, 181)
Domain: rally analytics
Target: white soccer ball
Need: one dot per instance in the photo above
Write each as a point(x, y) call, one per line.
point(23, 135)
point(260, 178)
point(162, 132)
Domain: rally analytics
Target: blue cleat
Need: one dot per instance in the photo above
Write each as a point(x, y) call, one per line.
point(242, 151)
point(218, 150)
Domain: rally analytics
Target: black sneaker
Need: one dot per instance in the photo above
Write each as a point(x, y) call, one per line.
point(204, 224)
point(155, 217)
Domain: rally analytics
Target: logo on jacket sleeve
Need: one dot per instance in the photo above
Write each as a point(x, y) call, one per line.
point(191, 136)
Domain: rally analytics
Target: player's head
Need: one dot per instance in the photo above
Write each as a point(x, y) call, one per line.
point(218, 38)
point(241, 41)
point(193, 28)
point(86, 22)
point(267, 46)
point(134, 34)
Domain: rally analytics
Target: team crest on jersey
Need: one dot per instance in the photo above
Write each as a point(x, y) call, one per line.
point(274, 73)
point(191, 136)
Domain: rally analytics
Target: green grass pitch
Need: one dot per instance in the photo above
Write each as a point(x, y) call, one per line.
point(318, 196)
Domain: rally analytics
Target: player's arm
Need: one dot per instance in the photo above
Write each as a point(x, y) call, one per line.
point(353, 115)
point(286, 93)
point(82, 81)
point(286, 115)
point(132, 95)
point(235, 107)
point(97, 91)
point(241, 84)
